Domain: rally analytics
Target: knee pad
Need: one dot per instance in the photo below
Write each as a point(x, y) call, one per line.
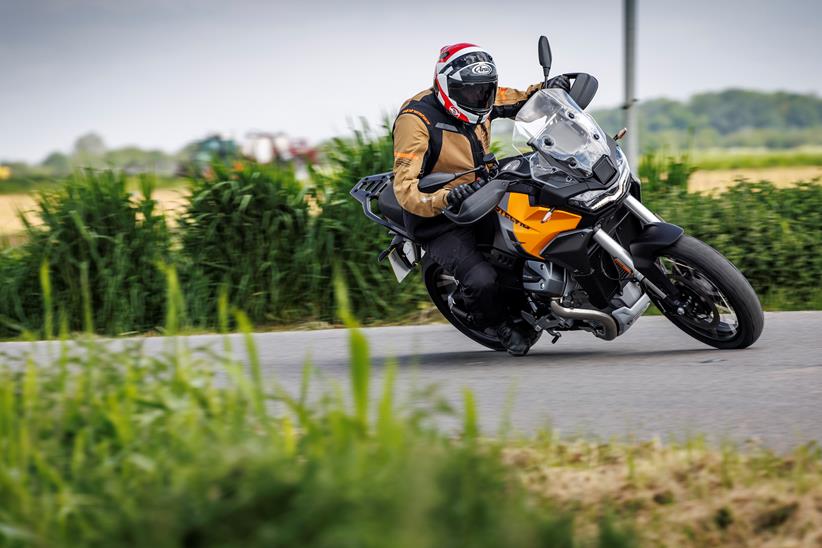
point(480, 278)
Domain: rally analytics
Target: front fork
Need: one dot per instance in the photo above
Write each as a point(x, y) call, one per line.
point(640, 261)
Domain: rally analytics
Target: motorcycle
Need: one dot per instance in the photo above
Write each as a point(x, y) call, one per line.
point(574, 246)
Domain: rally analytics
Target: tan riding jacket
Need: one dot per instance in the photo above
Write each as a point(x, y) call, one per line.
point(411, 144)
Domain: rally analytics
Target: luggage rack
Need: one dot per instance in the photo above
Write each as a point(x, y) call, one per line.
point(369, 188)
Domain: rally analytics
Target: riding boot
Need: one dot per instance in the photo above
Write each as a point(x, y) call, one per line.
point(514, 338)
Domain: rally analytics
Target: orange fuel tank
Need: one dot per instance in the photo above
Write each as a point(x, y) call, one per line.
point(535, 226)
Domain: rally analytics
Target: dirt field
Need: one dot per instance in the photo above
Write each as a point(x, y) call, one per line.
point(718, 180)
point(170, 200)
point(10, 204)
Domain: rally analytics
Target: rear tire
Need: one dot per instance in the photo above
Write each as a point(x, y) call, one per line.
point(433, 275)
point(726, 313)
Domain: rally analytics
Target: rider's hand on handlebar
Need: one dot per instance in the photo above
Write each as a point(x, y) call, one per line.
point(561, 81)
point(458, 194)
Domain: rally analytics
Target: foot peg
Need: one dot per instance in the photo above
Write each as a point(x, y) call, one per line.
point(462, 315)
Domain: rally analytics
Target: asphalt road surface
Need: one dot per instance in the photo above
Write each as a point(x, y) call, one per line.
point(653, 381)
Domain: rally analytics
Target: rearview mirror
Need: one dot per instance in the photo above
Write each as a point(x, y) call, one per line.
point(435, 181)
point(544, 49)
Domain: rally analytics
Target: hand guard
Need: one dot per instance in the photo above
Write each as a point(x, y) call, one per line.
point(457, 195)
point(561, 82)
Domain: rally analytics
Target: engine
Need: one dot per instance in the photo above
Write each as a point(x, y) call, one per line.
point(550, 282)
point(544, 279)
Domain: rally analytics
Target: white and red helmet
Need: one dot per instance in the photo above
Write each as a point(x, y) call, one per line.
point(466, 82)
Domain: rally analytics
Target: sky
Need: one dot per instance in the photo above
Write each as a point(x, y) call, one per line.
point(160, 73)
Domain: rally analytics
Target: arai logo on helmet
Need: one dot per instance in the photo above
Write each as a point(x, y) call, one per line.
point(483, 69)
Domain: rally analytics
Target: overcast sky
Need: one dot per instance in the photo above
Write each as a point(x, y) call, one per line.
point(159, 73)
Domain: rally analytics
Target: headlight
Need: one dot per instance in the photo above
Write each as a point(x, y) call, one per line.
point(596, 199)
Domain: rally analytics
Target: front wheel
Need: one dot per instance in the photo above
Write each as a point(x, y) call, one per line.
point(719, 306)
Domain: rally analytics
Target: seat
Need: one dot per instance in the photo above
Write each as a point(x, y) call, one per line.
point(389, 206)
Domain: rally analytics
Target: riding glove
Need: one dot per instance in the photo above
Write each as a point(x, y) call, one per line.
point(457, 195)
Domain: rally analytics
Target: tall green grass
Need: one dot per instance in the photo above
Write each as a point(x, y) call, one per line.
point(346, 238)
point(245, 230)
point(663, 174)
point(95, 238)
point(118, 448)
point(275, 244)
point(271, 245)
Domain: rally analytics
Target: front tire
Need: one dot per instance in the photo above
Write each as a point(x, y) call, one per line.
point(721, 308)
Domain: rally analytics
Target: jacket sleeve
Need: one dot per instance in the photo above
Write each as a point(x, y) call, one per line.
point(410, 146)
point(510, 100)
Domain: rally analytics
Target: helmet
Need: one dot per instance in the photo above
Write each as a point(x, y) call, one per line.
point(466, 82)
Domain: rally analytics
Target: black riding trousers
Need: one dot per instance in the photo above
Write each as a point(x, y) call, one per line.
point(456, 251)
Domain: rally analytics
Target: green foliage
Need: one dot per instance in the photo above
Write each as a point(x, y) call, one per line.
point(730, 118)
point(20, 301)
point(92, 231)
point(136, 160)
point(246, 230)
point(57, 163)
point(275, 244)
point(665, 174)
point(758, 159)
point(771, 234)
point(256, 237)
point(90, 151)
point(115, 448)
point(346, 237)
point(41, 179)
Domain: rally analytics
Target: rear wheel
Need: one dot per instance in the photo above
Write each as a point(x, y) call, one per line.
point(720, 308)
point(440, 286)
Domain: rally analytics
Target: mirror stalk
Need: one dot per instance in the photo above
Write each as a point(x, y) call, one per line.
point(620, 134)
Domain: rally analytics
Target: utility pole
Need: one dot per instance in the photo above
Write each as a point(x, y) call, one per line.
point(629, 16)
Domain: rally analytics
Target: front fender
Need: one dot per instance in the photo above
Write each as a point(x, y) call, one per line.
point(653, 238)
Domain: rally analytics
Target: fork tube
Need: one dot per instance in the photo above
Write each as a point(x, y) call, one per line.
point(638, 208)
point(621, 254)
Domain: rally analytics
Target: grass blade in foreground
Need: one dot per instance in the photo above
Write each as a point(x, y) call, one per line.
point(144, 451)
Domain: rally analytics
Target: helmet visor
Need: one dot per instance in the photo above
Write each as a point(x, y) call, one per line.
point(477, 97)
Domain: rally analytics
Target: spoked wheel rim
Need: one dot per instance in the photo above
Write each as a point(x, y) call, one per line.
point(706, 309)
point(446, 284)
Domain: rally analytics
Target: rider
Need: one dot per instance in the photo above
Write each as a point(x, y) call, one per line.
point(447, 129)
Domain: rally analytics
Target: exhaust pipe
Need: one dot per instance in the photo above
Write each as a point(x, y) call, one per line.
point(608, 323)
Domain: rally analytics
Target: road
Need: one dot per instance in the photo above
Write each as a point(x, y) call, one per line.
point(653, 381)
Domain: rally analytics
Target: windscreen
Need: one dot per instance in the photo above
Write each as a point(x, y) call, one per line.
point(552, 124)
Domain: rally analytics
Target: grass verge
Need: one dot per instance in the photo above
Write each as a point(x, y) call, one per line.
point(681, 495)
